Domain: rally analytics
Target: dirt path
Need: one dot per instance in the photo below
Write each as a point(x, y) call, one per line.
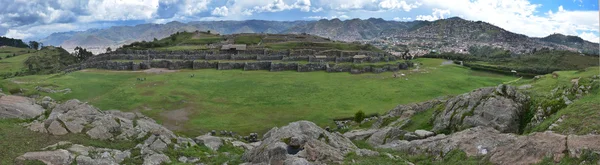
point(175, 119)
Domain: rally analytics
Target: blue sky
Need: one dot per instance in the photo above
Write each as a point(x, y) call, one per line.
point(36, 19)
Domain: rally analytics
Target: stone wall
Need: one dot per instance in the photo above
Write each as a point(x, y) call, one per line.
point(327, 59)
point(302, 52)
point(218, 57)
point(339, 68)
point(270, 57)
point(295, 58)
point(311, 67)
point(230, 65)
point(243, 57)
point(205, 65)
point(262, 65)
point(343, 59)
point(283, 67)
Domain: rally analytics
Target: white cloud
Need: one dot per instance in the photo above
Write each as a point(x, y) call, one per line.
point(437, 14)
point(592, 37)
point(220, 11)
point(402, 19)
point(315, 17)
point(519, 16)
point(12, 33)
point(395, 4)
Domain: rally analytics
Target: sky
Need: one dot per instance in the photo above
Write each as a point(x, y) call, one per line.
point(36, 19)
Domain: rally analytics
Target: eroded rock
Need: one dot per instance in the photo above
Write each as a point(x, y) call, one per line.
point(19, 107)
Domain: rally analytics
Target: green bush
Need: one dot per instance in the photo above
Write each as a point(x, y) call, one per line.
point(359, 116)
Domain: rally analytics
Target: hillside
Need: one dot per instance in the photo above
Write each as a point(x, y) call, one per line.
point(4, 41)
point(20, 61)
point(97, 40)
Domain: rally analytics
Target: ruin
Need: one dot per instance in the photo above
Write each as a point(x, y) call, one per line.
point(307, 55)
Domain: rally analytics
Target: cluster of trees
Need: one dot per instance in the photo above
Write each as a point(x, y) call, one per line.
point(4, 41)
point(82, 54)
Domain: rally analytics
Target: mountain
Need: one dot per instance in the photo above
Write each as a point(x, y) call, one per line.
point(452, 34)
point(572, 41)
point(97, 40)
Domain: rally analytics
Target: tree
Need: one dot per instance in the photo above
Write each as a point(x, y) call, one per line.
point(34, 45)
point(108, 50)
point(155, 40)
point(208, 32)
point(82, 54)
point(359, 116)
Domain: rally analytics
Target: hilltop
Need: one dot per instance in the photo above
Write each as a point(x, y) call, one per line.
point(436, 35)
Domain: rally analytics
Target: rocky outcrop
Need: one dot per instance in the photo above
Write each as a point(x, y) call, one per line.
point(74, 116)
point(67, 153)
point(404, 112)
point(500, 148)
point(19, 107)
point(303, 140)
point(501, 108)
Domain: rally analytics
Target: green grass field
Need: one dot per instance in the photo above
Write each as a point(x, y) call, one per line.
point(13, 64)
point(250, 40)
point(255, 101)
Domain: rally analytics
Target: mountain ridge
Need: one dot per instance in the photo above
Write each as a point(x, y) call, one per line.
point(440, 32)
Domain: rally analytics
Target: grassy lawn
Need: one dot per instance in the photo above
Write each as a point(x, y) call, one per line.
point(255, 101)
point(202, 41)
point(250, 40)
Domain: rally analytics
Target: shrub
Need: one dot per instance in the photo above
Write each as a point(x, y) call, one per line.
point(359, 116)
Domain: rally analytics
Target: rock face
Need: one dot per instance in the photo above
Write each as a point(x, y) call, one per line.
point(300, 139)
point(499, 147)
point(74, 116)
point(19, 107)
point(500, 108)
point(404, 112)
point(76, 153)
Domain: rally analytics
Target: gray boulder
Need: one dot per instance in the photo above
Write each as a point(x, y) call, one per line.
point(19, 107)
point(212, 142)
point(57, 157)
point(386, 135)
point(500, 108)
point(56, 128)
point(360, 134)
point(424, 133)
point(156, 159)
point(311, 142)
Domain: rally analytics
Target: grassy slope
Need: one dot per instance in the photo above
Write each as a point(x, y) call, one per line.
point(244, 101)
point(13, 64)
point(582, 116)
